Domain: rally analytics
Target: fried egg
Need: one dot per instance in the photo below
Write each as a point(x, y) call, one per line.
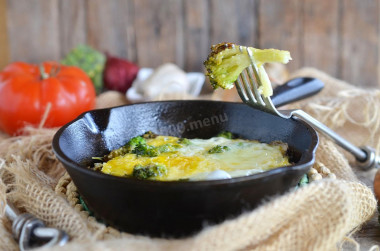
point(193, 161)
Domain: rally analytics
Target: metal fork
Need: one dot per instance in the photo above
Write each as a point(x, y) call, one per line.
point(248, 84)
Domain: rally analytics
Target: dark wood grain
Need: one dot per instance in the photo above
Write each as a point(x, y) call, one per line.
point(33, 29)
point(369, 234)
point(360, 41)
point(159, 32)
point(339, 37)
point(108, 27)
point(233, 22)
point(320, 35)
point(72, 23)
point(196, 34)
point(281, 26)
point(4, 43)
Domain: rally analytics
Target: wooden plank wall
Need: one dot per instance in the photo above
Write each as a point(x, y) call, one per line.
point(4, 43)
point(340, 37)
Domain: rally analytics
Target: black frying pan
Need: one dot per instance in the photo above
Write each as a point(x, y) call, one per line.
point(177, 208)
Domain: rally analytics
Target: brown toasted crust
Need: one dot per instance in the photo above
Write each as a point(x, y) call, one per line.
point(215, 49)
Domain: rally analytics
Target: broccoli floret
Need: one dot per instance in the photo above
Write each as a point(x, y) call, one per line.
point(168, 148)
point(224, 64)
point(146, 150)
point(184, 141)
point(138, 146)
point(304, 181)
point(127, 148)
point(225, 134)
point(226, 61)
point(134, 142)
point(218, 149)
point(149, 171)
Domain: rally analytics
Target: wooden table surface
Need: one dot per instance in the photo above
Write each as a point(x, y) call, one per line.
point(369, 234)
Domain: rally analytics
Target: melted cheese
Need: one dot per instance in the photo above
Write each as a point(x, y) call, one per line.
point(192, 161)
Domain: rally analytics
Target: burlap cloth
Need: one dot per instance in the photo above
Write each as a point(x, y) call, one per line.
point(319, 216)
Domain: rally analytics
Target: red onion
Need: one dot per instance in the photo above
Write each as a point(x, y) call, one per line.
point(119, 74)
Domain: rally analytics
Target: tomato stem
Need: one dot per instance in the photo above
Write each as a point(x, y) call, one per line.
point(44, 75)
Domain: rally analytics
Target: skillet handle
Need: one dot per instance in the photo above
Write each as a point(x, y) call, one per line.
point(365, 156)
point(296, 89)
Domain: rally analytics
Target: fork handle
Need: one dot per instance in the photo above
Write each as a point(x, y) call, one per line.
point(296, 89)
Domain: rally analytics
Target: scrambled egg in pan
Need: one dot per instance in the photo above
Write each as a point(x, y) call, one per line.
point(167, 158)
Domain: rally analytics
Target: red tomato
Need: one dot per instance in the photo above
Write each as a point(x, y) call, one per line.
point(26, 90)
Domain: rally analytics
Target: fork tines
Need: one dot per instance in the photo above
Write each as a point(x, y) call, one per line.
point(247, 87)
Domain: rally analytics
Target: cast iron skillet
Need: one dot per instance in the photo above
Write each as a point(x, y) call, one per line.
point(179, 208)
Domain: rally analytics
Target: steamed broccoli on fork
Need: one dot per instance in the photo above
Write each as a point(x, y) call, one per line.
point(226, 61)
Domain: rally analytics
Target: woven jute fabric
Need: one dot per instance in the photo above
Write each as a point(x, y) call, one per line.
point(318, 216)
